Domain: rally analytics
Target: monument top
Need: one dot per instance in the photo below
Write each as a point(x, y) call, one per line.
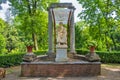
point(62, 5)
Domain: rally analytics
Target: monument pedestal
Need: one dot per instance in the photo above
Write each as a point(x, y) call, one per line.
point(29, 57)
point(92, 57)
point(61, 54)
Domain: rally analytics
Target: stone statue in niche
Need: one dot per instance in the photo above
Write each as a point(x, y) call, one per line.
point(61, 35)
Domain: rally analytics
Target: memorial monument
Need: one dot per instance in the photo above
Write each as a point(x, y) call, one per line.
point(61, 44)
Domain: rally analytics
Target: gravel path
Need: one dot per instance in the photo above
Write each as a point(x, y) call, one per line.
point(107, 73)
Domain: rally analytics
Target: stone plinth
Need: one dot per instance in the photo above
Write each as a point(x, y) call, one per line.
point(92, 57)
point(61, 54)
point(29, 57)
point(60, 69)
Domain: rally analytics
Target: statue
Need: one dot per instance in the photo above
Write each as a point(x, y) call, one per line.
point(61, 35)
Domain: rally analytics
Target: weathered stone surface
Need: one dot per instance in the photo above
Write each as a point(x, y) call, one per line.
point(62, 5)
point(29, 57)
point(61, 54)
point(80, 57)
point(92, 57)
point(60, 69)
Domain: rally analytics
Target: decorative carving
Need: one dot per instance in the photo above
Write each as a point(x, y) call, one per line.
point(61, 35)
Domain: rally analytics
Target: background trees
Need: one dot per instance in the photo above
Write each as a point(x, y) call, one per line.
point(102, 17)
point(29, 23)
point(32, 17)
point(2, 38)
point(100, 21)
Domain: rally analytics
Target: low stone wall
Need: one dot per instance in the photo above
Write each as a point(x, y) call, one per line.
point(55, 69)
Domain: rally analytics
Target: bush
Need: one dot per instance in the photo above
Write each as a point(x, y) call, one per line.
point(8, 60)
point(2, 44)
point(13, 59)
point(82, 51)
point(106, 57)
point(109, 57)
point(39, 52)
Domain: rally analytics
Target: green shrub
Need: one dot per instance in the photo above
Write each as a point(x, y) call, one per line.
point(13, 59)
point(39, 52)
point(109, 57)
point(82, 51)
point(2, 44)
point(8, 60)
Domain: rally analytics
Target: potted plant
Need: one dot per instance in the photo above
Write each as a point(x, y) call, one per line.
point(30, 56)
point(92, 56)
point(29, 45)
point(92, 45)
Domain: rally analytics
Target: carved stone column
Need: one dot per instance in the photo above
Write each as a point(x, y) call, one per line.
point(50, 33)
point(72, 35)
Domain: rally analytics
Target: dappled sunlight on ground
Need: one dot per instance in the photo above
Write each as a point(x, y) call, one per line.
point(113, 69)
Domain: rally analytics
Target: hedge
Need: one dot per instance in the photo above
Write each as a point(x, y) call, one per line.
point(109, 57)
point(42, 52)
point(106, 57)
point(8, 60)
point(13, 59)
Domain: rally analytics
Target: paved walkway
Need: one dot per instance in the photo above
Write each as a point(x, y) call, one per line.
point(107, 73)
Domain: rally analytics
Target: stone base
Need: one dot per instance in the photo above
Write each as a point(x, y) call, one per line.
point(61, 55)
point(29, 57)
point(92, 57)
point(61, 69)
point(50, 54)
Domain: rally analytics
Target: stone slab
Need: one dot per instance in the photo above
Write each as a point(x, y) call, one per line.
point(61, 55)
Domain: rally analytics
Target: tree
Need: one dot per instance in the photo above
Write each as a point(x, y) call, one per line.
point(81, 33)
point(101, 17)
point(32, 15)
point(2, 38)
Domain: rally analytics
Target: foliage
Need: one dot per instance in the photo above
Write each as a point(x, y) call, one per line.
point(13, 59)
point(31, 18)
point(13, 38)
point(2, 44)
point(2, 25)
point(109, 57)
point(29, 43)
point(106, 57)
point(40, 52)
point(2, 38)
point(102, 18)
point(92, 43)
point(81, 35)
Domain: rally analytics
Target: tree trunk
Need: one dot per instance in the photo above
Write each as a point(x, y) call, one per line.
point(35, 41)
point(114, 43)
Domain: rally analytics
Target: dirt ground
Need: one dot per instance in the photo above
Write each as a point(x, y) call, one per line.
point(108, 72)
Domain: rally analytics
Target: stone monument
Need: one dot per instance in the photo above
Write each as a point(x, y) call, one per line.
point(61, 13)
point(61, 46)
point(61, 42)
